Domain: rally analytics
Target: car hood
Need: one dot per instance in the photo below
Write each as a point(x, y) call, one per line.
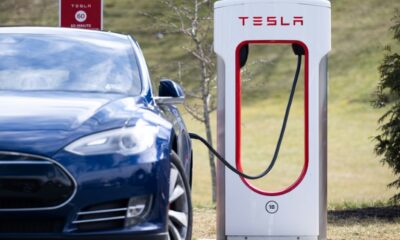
point(44, 122)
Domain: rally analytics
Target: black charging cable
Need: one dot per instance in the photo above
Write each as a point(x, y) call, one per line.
point(299, 52)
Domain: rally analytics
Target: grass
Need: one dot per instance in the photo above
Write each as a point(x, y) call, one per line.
point(355, 173)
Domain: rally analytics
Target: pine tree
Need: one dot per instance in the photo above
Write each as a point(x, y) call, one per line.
point(388, 97)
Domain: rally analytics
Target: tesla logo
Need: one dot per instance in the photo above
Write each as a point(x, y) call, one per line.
point(271, 21)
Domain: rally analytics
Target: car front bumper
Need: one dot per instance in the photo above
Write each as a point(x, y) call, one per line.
point(103, 184)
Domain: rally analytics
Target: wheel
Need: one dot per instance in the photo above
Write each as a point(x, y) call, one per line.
point(180, 215)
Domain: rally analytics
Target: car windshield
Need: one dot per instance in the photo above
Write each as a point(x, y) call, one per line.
point(39, 62)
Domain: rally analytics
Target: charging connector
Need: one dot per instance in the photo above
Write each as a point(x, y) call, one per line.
point(299, 51)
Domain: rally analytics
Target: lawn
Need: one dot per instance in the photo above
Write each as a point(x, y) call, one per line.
point(355, 174)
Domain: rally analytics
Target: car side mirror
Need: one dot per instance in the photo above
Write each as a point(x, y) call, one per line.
point(170, 92)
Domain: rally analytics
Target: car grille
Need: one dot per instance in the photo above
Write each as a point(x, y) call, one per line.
point(33, 182)
point(31, 226)
point(104, 216)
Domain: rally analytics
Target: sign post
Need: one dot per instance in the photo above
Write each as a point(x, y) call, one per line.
point(86, 14)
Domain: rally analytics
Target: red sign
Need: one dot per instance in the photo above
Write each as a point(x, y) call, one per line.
point(87, 14)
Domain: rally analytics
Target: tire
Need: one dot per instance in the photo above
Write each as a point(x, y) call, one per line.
point(180, 214)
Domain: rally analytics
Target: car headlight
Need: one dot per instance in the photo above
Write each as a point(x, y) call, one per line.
point(125, 141)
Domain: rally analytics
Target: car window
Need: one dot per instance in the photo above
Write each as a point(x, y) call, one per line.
point(30, 62)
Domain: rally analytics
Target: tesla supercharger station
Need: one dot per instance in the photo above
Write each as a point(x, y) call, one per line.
point(299, 210)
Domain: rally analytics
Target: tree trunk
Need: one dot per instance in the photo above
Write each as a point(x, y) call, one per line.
point(192, 19)
point(207, 122)
point(207, 125)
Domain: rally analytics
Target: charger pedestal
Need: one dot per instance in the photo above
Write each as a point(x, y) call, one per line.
point(298, 211)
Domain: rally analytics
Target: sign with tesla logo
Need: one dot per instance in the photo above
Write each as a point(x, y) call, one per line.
point(87, 14)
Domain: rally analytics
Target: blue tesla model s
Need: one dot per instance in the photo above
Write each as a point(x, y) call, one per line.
point(86, 150)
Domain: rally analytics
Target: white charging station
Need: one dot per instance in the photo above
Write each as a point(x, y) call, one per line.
point(298, 211)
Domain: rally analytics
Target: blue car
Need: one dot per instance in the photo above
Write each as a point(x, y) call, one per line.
point(86, 150)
